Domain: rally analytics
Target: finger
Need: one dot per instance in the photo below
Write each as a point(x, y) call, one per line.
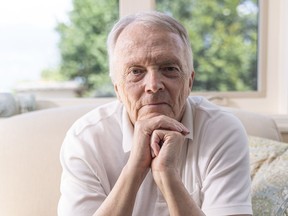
point(155, 144)
point(165, 123)
point(154, 151)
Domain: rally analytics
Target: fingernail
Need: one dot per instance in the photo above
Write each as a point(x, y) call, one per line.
point(185, 132)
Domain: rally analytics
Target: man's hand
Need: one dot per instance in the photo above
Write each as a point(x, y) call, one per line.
point(170, 143)
point(157, 127)
point(166, 146)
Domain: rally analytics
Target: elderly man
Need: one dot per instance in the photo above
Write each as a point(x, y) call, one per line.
point(156, 150)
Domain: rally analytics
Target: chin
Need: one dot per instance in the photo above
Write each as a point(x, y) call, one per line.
point(154, 114)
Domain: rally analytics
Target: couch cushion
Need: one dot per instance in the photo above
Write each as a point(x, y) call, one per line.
point(29, 160)
point(269, 163)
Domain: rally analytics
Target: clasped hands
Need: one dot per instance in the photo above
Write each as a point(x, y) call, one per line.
point(157, 143)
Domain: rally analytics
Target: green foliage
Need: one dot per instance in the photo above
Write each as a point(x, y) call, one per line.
point(83, 42)
point(223, 34)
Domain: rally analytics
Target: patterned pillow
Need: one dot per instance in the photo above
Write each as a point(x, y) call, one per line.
point(269, 173)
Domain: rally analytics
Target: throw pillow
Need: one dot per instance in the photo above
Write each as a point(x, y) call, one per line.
point(269, 173)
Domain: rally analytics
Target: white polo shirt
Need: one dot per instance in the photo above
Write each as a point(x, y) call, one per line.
point(214, 168)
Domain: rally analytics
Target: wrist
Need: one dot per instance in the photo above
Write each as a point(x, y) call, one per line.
point(135, 174)
point(166, 178)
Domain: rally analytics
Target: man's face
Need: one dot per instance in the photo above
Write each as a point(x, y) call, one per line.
point(151, 74)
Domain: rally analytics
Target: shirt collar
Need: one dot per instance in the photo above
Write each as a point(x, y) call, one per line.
point(128, 129)
point(187, 120)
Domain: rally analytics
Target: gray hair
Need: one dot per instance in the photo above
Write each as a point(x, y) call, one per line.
point(151, 18)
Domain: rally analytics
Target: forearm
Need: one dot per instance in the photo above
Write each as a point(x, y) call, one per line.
point(121, 199)
point(179, 201)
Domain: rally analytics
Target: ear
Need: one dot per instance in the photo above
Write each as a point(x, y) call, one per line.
point(191, 79)
point(117, 92)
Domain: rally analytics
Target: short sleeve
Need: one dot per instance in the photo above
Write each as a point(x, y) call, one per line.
point(226, 173)
point(81, 190)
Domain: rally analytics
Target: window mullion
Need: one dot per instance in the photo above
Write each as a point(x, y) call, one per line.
point(127, 7)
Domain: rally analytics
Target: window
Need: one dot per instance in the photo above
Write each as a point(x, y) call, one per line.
point(224, 38)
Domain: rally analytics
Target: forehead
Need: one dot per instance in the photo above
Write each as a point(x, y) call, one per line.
point(141, 41)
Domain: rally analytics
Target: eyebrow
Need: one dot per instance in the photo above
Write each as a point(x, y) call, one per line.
point(158, 60)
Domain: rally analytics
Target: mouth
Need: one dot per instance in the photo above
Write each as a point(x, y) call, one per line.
point(154, 109)
point(155, 104)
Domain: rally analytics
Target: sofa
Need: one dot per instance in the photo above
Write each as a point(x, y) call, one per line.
point(30, 169)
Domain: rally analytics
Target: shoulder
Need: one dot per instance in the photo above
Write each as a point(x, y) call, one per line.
point(204, 109)
point(102, 115)
point(96, 128)
point(212, 121)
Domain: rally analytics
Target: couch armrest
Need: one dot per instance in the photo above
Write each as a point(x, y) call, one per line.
point(29, 160)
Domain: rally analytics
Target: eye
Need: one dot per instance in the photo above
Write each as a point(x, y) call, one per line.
point(171, 71)
point(135, 74)
point(136, 71)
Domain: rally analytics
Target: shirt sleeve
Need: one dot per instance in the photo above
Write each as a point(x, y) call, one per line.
point(82, 192)
point(226, 174)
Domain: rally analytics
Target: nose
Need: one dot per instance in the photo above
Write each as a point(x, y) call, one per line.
point(153, 82)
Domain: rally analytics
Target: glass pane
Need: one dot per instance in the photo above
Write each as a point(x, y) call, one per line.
point(28, 39)
point(83, 45)
point(224, 35)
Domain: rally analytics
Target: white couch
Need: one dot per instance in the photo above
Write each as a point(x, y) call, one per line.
point(29, 156)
